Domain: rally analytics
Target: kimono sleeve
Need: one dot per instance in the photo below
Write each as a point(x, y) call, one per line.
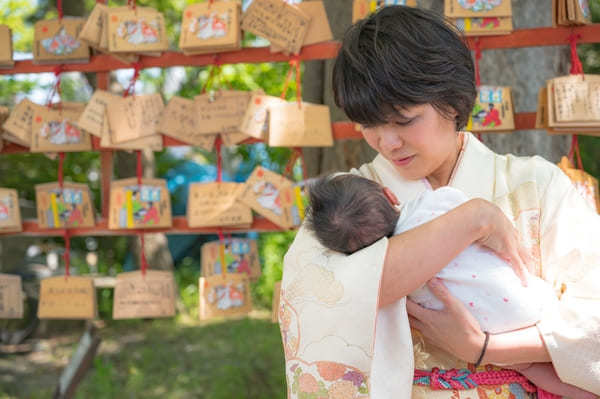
point(570, 257)
point(327, 315)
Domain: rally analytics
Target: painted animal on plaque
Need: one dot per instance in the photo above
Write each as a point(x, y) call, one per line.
point(227, 296)
point(61, 44)
point(139, 31)
point(61, 132)
point(210, 25)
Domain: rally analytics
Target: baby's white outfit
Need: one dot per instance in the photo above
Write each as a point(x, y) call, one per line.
point(483, 282)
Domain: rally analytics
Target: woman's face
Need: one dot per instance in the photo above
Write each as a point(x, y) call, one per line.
point(420, 143)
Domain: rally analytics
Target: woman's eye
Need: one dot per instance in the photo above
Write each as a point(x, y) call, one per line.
point(405, 123)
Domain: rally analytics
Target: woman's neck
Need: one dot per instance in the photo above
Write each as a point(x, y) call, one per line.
point(441, 177)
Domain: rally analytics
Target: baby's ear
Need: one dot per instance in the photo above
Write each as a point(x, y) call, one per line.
point(390, 196)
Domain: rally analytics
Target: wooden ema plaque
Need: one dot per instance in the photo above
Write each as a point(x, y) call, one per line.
point(284, 25)
point(67, 207)
point(18, 125)
point(294, 126)
point(224, 296)
point(576, 100)
point(11, 297)
point(144, 206)
point(134, 117)
point(153, 142)
point(255, 122)
point(477, 8)
point(318, 27)
point(144, 296)
point(240, 255)
point(216, 204)
point(275, 303)
point(6, 47)
point(179, 120)
point(55, 41)
point(493, 110)
point(210, 27)
point(140, 30)
point(93, 115)
point(274, 197)
point(63, 297)
point(10, 214)
point(221, 111)
point(56, 131)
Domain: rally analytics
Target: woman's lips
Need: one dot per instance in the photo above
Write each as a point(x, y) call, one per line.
point(403, 161)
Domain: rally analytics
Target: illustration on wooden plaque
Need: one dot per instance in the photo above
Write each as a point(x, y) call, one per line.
point(239, 254)
point(134, 206)
point(66, 207)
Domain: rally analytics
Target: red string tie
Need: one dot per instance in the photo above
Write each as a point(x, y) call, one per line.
point(576, 66)
point(218, 144)
point(136, 74)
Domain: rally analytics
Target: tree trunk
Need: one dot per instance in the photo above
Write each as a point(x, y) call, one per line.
point(525, 70)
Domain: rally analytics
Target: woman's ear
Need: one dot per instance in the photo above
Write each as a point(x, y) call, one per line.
point(390, 196)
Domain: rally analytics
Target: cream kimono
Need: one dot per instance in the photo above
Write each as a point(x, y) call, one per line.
point(338, 344)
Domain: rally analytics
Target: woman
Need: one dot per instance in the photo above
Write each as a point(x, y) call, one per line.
point(408, 79)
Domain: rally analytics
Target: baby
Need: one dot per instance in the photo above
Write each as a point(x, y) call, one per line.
point(348, 213)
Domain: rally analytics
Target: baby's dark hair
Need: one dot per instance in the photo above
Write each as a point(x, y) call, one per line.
point(400, 57)
point(348, 212)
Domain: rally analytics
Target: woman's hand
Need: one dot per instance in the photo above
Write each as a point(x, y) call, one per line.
point(500, 236)
point(453, 328)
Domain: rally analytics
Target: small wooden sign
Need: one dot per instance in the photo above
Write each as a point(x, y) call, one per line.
point(211, 27)
point(284, 25)
point(179, 120)
point(318, 28)
point(294, 126)
point(224, 296)
point(216, 204)
point(92, 118)
point(477, 8)
point(275, 303)
point(67, 207)
point(255, 122)
point(55, 41)
point(154, 142)
point(136, 31)
point(56, 131)
point(20, 120)
point(493, 110)
point(274, 197)
point(11, 297)
point(146, 295)
point(240, 255)
point(134, 117)
point(72, 297)
point(92, 30)
point(220, 112)
point(6, 47)
point(134, 206)
point(10, 214)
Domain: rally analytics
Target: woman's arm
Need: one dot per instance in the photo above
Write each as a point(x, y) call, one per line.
point(455, 329)
point(416, 255)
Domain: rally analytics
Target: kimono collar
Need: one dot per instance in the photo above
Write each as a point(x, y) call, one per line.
point(474, 173)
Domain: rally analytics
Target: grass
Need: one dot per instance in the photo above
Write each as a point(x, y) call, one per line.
point(164, 359)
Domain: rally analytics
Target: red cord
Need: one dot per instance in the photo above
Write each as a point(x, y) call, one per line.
point(131, 4)
point(144, 265)
point(576, 67)
point(136, 74)
point(139, 167)
point(59, 9)
point(61, 160)
point(575, 151)
point(67, 255)
point(218, 143)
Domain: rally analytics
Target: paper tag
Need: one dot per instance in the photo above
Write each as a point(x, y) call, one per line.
point(255, 120)
point(72, 297)
point(20, 120)
point(143, 296)
point(275, 303)
point(92, 118)
point(56, 41)
point(224, 295)
point(178, 120)
point(291, 126)
point(240, 256)
point(11, 297)
point(318, 28)
point(56, 131)
point(10, 214)
point(134, 117)
point(220, 112)
point(215, 25)
point(216, 204)
point(272, 196)
point(139, 207)
point(68, 207)
point(477, 8)
point(6, 47)
point(139, 30)
point(493, 110)
point(363, 8)
point(282, 24)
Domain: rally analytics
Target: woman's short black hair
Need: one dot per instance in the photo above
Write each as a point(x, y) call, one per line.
point(400, 57)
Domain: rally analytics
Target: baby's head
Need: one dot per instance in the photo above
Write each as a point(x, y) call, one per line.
point(348, 212)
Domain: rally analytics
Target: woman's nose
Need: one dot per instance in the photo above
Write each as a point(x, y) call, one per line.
point(389, 139)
